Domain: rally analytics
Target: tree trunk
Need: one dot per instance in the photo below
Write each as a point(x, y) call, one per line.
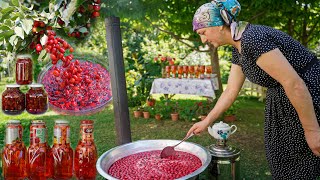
point(215, 63)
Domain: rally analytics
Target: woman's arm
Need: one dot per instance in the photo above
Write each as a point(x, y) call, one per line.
point(277, 66)
point(235, 82)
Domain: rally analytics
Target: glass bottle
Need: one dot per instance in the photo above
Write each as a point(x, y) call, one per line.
point(24, 69)
point(39, 158)
point(14, 153)
point(36, 99)
point(86, 153)
point(62, 151)
point(13, 100)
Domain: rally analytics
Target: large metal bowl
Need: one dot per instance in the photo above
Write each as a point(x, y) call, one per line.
point(108, 158)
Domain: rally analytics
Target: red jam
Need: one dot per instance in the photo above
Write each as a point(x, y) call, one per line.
point(149, 165)
point(36, 99)
point(23, 70)
point(13, 100)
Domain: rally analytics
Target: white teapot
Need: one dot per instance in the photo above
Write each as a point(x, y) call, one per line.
point(221, 130)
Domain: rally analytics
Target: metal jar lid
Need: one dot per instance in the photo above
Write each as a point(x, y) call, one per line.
point(36, 85)
point(224, 152)
point(61, 121)
point(13, 122)
point(24, 56)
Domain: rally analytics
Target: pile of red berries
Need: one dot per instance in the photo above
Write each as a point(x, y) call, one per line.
point(149, 165)
point(57, 48)
point(81, 88)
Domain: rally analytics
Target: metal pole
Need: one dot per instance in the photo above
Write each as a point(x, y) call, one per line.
point(118, 81)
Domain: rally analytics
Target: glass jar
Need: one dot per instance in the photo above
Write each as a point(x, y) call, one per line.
point(24, 69)
point(39, 156)
point(36, 99)
point(13, 100)
point(62, 151)
point(14, 152)
point(86, 153)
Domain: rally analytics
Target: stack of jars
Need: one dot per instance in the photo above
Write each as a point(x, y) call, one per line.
point(40, 161)
point(35, 101)
point(14, 101)
point(197, 71)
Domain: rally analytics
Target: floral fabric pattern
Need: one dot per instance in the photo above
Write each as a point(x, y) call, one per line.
point(201, 87)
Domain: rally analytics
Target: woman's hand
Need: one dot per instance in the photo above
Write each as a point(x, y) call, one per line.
point(198, 127)
point(313, 140)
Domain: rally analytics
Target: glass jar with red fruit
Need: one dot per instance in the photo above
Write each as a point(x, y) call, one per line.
point(24, 69)
point(62, 151)
point(39, 156)
point(14, 152)
point(13, 100)
point(86, 153)
point(36, 99)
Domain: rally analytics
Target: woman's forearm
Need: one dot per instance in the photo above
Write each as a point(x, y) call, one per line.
point(301, 100)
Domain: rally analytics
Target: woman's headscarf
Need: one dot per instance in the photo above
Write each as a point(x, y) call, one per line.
point(218, 13)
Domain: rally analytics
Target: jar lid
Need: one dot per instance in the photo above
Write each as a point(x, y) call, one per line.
point(61, 122)
point(86, 122)
point(37, 122)
point(13, 122)
point(12, 85)
point(24, 56)
point(36, 85)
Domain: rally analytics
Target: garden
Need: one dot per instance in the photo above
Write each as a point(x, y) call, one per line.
point(69, 36)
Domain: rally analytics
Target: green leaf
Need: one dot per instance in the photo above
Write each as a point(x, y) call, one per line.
point(3, 4)
point(69, 11)
point(4, 28)
point(83, 30)
point(19, 32)
point(7, 10)
point(57, 4)
point(13, 40)
point(43, 52)
point(44, 40)
point(15, 2)
point(7, 34)
point(27, 25)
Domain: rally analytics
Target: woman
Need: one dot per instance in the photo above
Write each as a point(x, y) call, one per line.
point(291, 73)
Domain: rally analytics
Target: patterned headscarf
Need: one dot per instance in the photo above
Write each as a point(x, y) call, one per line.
point(216, 13)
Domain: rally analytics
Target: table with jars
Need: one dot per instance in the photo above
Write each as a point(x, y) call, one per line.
point(192, 80)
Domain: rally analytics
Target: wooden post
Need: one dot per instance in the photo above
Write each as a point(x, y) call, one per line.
point(118, 81)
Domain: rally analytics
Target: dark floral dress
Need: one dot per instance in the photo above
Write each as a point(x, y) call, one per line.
point(287, 152)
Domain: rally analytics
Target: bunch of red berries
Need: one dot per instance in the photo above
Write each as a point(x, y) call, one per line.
point(57, 48)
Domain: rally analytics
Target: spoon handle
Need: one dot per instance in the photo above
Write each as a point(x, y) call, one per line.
point(185, 138)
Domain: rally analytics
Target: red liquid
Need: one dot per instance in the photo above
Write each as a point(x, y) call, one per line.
point(149, 165)
point(40, 160)
point(62, 152)
point(14, 153)
point(86, 153)
point(13, 100)
point(23, 70)
point(36, 100)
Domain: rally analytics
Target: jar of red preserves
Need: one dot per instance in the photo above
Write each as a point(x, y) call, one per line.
point(62, 151)
point(86, 153)
point(14, 153)
point(13, 100)
point(24, 69)
point(36, 99)
point(39, 156)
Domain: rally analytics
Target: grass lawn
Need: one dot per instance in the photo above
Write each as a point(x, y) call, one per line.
point(248, 138)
